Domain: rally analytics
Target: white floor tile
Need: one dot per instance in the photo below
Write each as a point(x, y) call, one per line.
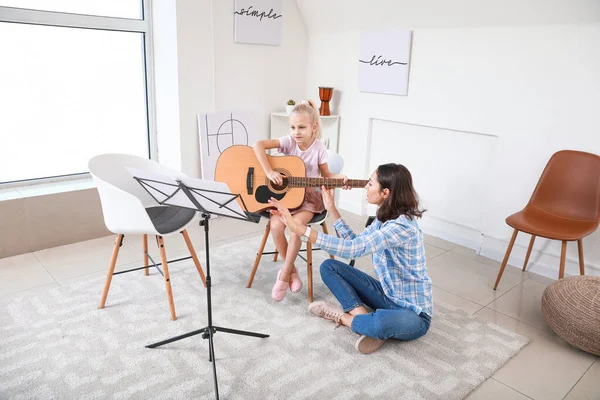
point(491, 389)
point(523, 302)
point(469, 279)
point(22, 272)
point(588, 387)
point(547, 368)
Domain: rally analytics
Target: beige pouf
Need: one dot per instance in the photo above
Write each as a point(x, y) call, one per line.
point(571, 307)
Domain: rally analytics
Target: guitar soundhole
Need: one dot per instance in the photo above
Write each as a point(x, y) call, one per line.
point(284, 184)
point(279, 188)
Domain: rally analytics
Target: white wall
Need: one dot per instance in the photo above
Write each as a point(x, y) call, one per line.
point(256, 77)
point(195, 42)
point(166, 82)
point(492, 94)
point(212, 72)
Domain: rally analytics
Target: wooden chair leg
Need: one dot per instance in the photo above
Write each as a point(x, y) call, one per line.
point(326, 231)
point(528, 252)
point(581, 263)
point(309, 277)
point(276, 254)
point(190, 247)
point(111, 269)
point(163, 257)
point(563, 257)
point(259, 254)
point(506, 256)
point(145, 246)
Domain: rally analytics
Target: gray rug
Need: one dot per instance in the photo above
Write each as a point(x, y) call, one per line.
point(58, 345)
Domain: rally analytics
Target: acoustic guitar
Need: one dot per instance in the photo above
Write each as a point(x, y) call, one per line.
point(239, 168)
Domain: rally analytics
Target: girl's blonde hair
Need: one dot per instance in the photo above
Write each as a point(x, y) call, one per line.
point(308, 107)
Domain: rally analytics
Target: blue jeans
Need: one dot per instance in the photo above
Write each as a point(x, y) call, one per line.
point(353, 288)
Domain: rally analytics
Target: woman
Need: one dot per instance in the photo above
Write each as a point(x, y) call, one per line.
point(398, 304)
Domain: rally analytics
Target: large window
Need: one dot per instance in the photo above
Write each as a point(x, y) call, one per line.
point(72, 85)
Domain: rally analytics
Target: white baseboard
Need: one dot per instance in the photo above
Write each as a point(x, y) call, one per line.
point(451, 231)
point(540, 262)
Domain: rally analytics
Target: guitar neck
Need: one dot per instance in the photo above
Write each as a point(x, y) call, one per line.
point(327, 182)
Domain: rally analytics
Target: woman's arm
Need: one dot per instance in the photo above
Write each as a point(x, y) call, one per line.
point(343, 230)
point(369, 241)
point(329, 203)
point(260, 148)
point(339, 224)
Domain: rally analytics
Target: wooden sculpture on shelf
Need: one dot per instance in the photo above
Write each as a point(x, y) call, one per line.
point(325, 94)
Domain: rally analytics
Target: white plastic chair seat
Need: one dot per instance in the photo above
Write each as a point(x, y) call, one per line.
point(127, 207)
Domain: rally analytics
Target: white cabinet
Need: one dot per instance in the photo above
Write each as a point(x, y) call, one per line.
point(330, 125)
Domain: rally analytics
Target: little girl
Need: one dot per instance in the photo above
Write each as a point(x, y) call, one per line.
point(305, 129)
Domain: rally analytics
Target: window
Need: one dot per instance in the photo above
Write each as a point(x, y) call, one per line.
point(73, 86)
point(106, 8)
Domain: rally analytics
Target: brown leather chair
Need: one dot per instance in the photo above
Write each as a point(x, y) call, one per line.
point(565, 205)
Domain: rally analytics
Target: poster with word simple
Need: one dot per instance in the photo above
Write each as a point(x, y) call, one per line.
point(384, 61)
point(258, 21)
point(219, 130)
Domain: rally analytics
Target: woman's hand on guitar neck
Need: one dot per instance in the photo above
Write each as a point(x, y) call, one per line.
point(286, 217)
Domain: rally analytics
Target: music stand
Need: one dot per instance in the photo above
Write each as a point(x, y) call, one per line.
point(209, 198)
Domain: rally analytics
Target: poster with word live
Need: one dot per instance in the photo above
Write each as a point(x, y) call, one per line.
point(384, 61)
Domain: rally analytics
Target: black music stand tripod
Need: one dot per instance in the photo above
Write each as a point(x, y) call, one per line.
point(208, 198)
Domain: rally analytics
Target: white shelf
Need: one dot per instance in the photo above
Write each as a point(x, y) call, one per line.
point(283, 114)
point(330, 126)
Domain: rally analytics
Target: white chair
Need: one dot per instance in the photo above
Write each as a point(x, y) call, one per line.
point(335, 163)
point(129, 209)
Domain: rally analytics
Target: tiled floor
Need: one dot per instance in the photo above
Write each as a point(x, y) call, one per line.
point(547, 368)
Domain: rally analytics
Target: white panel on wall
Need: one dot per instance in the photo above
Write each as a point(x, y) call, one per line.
point(221, 130)
point(384, 61)
point(258, 21)
point(451, 178)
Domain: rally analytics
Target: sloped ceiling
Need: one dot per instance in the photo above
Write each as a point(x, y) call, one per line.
point(331, 15)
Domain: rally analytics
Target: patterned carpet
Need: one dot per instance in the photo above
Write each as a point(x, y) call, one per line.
point(58, 345)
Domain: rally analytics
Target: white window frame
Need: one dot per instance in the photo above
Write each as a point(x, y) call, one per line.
point(69, 20)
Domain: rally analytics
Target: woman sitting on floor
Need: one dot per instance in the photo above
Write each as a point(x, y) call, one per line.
point(400, 299)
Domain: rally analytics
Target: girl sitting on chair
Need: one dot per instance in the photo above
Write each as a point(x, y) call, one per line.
point(305, 129)
point(400, 299)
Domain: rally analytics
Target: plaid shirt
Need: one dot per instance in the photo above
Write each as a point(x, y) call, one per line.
point(398, 258)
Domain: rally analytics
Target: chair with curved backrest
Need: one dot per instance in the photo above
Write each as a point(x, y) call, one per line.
point(565, 205)
point(335, 163)
point(129, 209)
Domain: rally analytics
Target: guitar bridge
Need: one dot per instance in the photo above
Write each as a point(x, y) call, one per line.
point(250, 180)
